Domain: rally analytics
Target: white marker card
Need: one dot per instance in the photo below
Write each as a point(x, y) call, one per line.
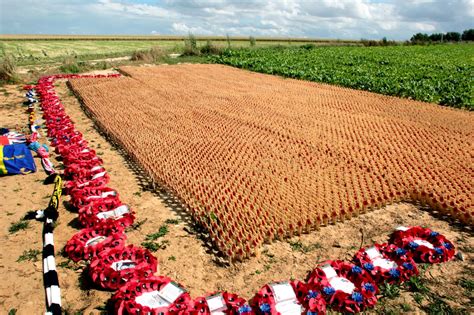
point(122, 265)
point(329, 271)
point(402, 228)
point(105, 194)
point(283, 291)
point(384, 263)
point(99, 175)
point(105, 215)
point(95, 240)
point(289, 308)
point(121, 210)
point(115, 214)
point(152, 300)
point(216, 304)
point(95, 168)
point(342, 284)
point(108, 193)
point(171, 292)
point(373, 253)
point(424, 243)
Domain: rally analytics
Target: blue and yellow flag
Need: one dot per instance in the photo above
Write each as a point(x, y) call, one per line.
point(16, 159)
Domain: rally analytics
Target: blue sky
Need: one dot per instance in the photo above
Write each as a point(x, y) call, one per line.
point(372, 19)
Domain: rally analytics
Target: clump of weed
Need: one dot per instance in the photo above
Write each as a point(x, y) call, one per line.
point(390, 290)
point(151, 55)
point(415, 284)
point(71, 65)
point(172, 221)
point(253, 41)
point(8, 70)
point(17, 226)
point(151, 242)
point(210, 49)
point(30, 255)
point(298, 246)
point(154, 246)
point(137, 225)
point(162, 231)
point(190, 46)
point(308, 46)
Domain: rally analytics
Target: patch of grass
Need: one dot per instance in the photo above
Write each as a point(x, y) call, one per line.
point(137, 225)
point(185, 59)
point(415, 284)
point(467, 284)
point(162, 231)
point(69, 264)
point(30, 255)
point(17, 226)
point(172, 258)
point(138, 193)
point(390, 291)
point(12, 311)
point(438, 306)
point(172, 221)
point(298, 246)
point(406, 307)
point(154, 246)
point(10, 213)
point(419, 298)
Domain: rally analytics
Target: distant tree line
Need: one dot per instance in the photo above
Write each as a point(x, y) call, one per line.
point(421, 38)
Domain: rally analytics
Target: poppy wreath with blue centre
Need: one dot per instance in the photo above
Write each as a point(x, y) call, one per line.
point(125, 299)
point(264, 302)
point(405, 266)
point(111, 268)
point(235, 305)
point(89, 242)
point(424, 244)
point(314, 303)
point(362, 296)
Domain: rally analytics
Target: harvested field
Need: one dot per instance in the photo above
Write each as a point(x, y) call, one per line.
point(257, 157)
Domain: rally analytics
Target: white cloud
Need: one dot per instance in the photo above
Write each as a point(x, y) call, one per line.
point(396, 19)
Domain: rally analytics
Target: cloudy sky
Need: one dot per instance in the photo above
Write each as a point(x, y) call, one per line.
point(372, 19)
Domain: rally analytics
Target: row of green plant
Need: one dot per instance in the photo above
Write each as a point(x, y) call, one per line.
point(441, 74)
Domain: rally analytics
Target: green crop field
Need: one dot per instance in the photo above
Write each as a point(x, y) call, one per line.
point(441, 74)
point(28, 51)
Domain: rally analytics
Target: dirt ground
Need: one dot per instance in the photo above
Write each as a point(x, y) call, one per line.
point(186, 256)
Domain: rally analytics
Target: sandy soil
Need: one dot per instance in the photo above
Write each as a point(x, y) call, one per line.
point(187, 257)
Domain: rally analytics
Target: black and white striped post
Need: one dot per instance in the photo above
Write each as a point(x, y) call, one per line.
point(50, 275)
